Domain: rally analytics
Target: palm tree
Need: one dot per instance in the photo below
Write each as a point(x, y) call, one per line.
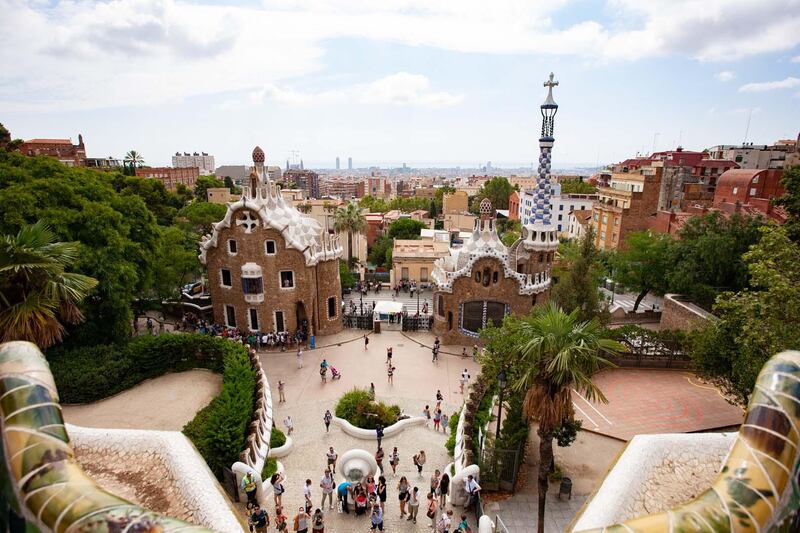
point(36, 294)
point(351, 220)
point(134, 159)
point(558, 353)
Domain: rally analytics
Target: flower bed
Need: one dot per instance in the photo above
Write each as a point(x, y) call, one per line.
point(359, 409)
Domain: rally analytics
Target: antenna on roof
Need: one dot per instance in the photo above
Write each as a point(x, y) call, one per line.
point(747, 129)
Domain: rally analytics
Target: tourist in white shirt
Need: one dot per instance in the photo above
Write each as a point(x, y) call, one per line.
point(326, 484)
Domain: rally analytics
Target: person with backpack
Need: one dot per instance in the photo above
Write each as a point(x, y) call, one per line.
point(431, 510)
point(301, 521)
point(318, 522)
point(327, 419)
point(419, 461)
point(379, 434)
point(280, 519)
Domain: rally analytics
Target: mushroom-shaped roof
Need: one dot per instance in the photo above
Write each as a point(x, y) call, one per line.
point(258, 155)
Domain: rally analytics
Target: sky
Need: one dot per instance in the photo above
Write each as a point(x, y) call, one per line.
point(425, 82)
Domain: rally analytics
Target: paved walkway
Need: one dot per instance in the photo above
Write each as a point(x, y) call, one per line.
point(165, 403)
point(654, 401)
point(415, 384)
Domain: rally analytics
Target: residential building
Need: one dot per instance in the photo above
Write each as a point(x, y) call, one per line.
point(201, 160)
point(104, 163)
point(238, 173)
point(308, 180)
point(459, 221)
point(264, 246)
point(626, 205)
point(375, 227)
point(455, 202)
point(414, 259)
point(425, 192)
point(218, 195)
point(513, 206)
point(73, 155)
point(377, 187)
point(483, 281)
point(171, 177)
point(345, 188)
point(751, 191)
point(756, 156)
point(523, 182)
point(577, 222)
point(561, 204)
point(324, 212)
point(349, 163)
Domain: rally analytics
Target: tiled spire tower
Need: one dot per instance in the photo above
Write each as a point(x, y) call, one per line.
point(549, 108)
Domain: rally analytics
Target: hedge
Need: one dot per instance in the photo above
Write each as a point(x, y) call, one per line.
point(358, 408)
point(218, 431)
point(453, 426)
point(276, 438)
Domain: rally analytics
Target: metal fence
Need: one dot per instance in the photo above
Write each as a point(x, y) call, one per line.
point(417, 323)
point(499, 526)
point(500, 468)
point(651, 349)
point(358, 321)
point(383, 277)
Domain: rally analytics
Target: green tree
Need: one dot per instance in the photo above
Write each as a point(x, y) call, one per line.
point(510, 230)
point(578, 276)
point(204, 183)
point(37, 294)
point(133, 160)
point(497, 190)
point(790, 201)
point(175, 262)
point(380, 254)
point(576, 186)
point(643, 263)
point(231, 185)
point(438, 196)
point(163, 203)
point(373, 204)
point(433, 210)
point(349, 219)
point(548, 354)
point(345, 276)
point(5, 140)
point(758, 321)
point(707, 257)
point(406, 205)
point(201, 215)
point(405, 228)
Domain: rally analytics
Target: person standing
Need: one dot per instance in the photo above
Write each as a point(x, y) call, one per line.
point(299, 358)
point(419, 461)
point(289, 425)
point(464, 379)
point(427, 414)
point(379, 458)
point(249, 486)
point(332, 456)
point(444, 489)
point(435, 352)
point(307, 496)
point(403, 494)
point(389, 356)
point(301, 521)
point(318, 522)
point(371, 391)
point(379, 434)
point(473, 489)
point(376, 518)
point(437, 419)
point(281, 397)
point(394, 460)
point(327, 419)
point(475, 352)
point(323, 371)
point(439, 396)
point(435, 482)
point(430, 511)
point(326, 484)
point(413, 505)
point(382, 492)
point(390, 375)
point(277, 487)
point(366, 342)
point(259, 519)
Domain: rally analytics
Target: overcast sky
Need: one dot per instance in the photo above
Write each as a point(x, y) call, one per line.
point(424, 82)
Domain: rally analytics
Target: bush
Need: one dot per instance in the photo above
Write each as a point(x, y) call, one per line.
point(452, 424)
point(92, 373)
point(357, 407)
point(270, 467)
point(276, 438)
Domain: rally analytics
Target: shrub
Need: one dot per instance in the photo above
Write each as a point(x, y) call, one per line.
point(452, 424)
point(276, 438)
point(357, 407)
point(270, 467)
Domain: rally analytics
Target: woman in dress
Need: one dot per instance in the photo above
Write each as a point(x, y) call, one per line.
point(382, 492)
point(403, 494)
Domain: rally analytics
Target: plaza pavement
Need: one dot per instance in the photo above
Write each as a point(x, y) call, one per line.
point(415, 383)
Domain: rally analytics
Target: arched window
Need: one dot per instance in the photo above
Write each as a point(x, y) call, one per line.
point(487, 276)
point(495, 276)
point(440, 305)
point(478, 276)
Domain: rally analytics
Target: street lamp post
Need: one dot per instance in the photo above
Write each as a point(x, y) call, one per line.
point(501, 384)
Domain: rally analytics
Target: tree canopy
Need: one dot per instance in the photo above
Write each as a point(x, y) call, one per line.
point(576, 186)
point(204, 183)
point(578, 275)
point(405, 228)
point(790, 201)
point(497, 190)
point(643, 263)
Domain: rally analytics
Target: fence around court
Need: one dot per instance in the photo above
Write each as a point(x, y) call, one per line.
point(651, 349)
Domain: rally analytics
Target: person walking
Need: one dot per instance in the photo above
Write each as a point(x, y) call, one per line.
point(289, 424)
point(473, 489)
point(430, 511)
point(376, 518)
point(326, 484)
point(435, 352)
point(327, 419)
point(419, 461)
point(464, 379)
point(332, 456)
point(277, 487)
point(323, 371)
point(403, 494)
point(280, 519)
point(382, 492)
point(439, 396)
point(307, 496)
point(366, 342)
point(444, 489)
point(475, 352)
point(318, 522)
point(299, 358)
point(445, 423)
point(259, 519)
point(379, 458)
point(372, 391)
point(394, 460)
point(379, 434)
point(301, 521)
point(413, 505)
point(435, 482)
point(389, 356)
point(249, 486)
point(437, 419)
point(427, 414)
point(281, 397)
point(443, 525)
point(390, 374)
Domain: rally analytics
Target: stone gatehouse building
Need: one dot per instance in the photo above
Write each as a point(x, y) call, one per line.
point(271, 268)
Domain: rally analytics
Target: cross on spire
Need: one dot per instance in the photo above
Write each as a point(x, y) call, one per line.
point(550, 84)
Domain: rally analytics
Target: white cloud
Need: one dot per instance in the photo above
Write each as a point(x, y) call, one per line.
point(787, 83)
point(725, 75)
point(83, 54)
point(402, 89)
point(795, 59)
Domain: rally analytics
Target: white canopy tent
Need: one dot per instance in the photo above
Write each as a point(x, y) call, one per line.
point(385, 308)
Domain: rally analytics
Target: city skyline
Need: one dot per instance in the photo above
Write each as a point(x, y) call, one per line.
point(429, 85)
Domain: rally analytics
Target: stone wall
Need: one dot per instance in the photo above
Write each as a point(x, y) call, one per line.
point(679, 313)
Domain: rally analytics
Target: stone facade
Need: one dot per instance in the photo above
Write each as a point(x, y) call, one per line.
point(270, 268)
point(171, 177)
point(679, 313)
